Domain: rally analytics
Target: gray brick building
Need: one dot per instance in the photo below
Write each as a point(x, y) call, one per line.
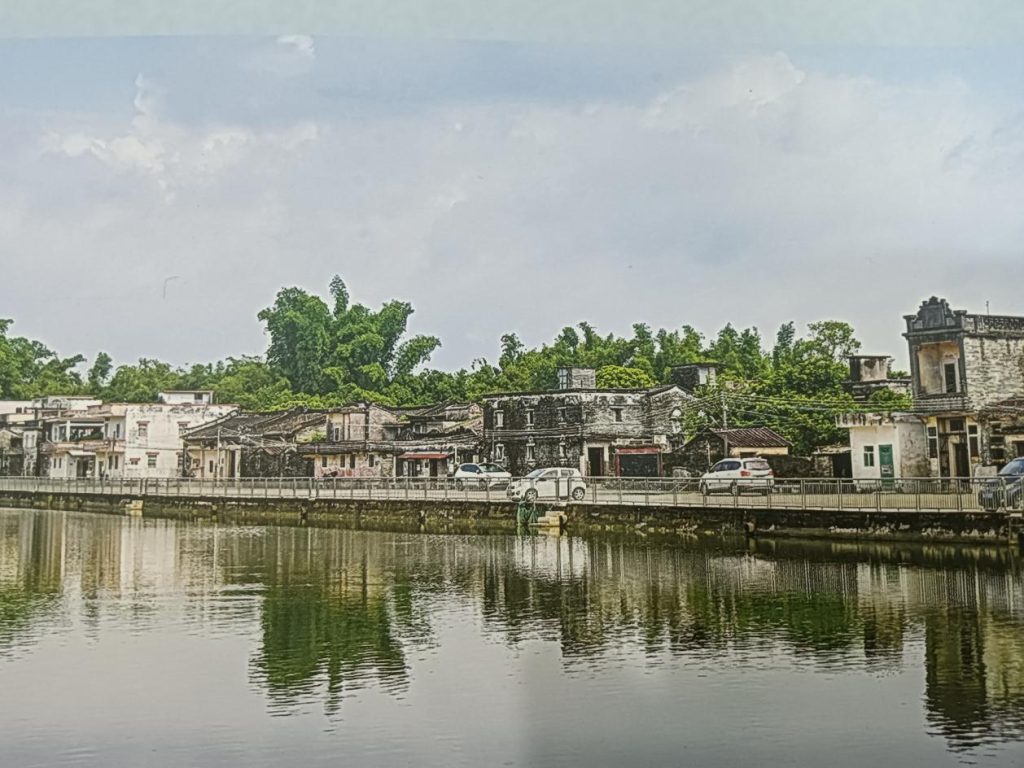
point(598, 431)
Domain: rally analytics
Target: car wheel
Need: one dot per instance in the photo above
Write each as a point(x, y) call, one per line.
point(530, 495)
point(459, 485)
point(579, 493)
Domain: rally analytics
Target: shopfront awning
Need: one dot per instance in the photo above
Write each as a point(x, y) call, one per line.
point(82, 454)
point(413, 456)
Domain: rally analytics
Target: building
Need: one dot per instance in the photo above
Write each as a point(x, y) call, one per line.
point(433, 441)
point(262, 444)
point(186, 397)
point(370, 440)
point(963, 366)
point(884, 446)
point(355, 443)
point(709, 446)
point(870, 374)
point(130, 440)
point(598, 431)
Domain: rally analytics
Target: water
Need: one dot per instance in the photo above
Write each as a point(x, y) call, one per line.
point(127, 642)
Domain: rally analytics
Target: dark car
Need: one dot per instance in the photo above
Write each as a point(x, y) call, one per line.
point(1006, 489)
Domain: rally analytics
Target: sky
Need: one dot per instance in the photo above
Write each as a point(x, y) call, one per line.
point(156, 191)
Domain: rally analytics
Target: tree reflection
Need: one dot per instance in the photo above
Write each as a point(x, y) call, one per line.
point(337, 610)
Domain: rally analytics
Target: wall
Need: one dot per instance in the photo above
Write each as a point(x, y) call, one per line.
point(441, 516)
point(931, 359)
point(994, 368)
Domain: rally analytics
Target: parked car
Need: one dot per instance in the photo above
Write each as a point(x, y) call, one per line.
point(549, 483)
point(481, 476)
point(1005, 490)
point(738, 476)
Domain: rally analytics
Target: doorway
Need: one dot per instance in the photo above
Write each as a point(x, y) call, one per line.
point(595, 462)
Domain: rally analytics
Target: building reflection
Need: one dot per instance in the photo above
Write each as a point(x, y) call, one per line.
point(335, 610)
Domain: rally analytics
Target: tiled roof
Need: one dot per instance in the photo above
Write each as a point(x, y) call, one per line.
point(752, 437)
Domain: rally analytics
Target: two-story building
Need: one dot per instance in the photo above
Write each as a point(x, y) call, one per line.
point(131, 440)
point(598, 431)
point(967, 382)
point(963, 366)
point(355, 443)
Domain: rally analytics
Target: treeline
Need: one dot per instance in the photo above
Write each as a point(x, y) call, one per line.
point(325, 353)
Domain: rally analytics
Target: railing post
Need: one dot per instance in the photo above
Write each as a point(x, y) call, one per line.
point(803, 494)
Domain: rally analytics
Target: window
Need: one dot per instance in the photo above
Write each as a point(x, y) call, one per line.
point(372, 459)
point(337, 434)
point(198, 397)
point(933, 442)
point(499, 419)
point(561, 449)
point(531, 452)
point(182, 427)
point(351, 461)
point(561, 414)
point(211, 466)
point(143, 429)
point(323, 462)
point(499, 452)
point(151, 460)
point(869, 455)
point(529, 418)
point(957, 425)
point(972, 441)
point(617, 414)
point(950, 375)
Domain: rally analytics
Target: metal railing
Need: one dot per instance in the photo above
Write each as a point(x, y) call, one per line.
point(922, 495)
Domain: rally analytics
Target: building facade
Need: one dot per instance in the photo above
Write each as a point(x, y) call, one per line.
point(886, 446)
point(129, 440)
point(598, 431)
point(963, 366)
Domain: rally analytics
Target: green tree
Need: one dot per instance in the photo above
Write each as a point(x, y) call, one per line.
point(620, 377)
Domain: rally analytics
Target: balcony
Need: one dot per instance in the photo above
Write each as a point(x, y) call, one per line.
point(954, 402)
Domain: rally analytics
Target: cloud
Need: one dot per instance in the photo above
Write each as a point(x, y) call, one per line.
point(756, 193)
point(174, 155)
point(288, 56)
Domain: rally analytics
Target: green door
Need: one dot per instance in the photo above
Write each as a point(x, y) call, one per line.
point(885, 465)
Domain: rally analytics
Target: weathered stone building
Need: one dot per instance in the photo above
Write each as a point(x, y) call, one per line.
point(262, 444)
point(370, 440)
point(598, 431)
point(963, 366)
point(432, 441)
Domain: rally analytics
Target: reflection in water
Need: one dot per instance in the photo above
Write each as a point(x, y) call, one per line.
point(334, 612)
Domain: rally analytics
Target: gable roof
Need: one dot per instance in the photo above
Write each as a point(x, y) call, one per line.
point(752, 437)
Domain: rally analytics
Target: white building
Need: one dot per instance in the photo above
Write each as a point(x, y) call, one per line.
point(131, 440)
point(887, 446)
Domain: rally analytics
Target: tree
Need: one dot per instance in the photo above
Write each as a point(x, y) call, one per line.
point(99, 373)
point(620, 377)
point(347, 349)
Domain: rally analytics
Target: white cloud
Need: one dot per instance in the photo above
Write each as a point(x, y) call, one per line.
point(760, 193)
point(301, 45)
point(175, 155)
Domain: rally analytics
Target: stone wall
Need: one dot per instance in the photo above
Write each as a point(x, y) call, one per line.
point(994, 368)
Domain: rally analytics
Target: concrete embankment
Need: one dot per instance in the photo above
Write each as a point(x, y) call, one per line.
point(481, 516)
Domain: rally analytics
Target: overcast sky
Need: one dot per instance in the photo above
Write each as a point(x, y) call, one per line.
point(156, 192)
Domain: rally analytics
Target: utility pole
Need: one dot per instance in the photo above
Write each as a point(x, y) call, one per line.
point(725, 424)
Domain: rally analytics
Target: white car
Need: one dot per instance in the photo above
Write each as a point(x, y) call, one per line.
point(481, 476)
point(738, 476)
point(549, 483)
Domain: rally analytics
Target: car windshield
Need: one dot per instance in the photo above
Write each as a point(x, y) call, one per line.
point(491, 468)
point(757, 464)
point(1015, 467)
point(535, 473)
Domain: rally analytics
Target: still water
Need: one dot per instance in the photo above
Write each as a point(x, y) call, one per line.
point(127, 642)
